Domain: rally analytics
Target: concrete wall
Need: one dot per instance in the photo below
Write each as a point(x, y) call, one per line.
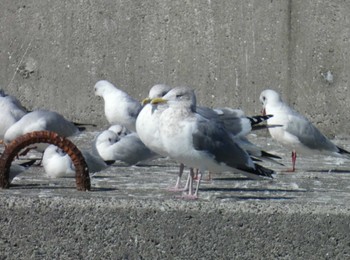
point(52, 53)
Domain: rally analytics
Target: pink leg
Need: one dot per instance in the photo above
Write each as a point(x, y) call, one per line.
point(198, 183)
point(294, 159)
point(195, 176)
point(189, 180)
point(192, 195)
point(177, 185)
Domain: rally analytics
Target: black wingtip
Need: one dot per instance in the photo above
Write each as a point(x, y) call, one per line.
point(259, 171)
point(28, 163)
point(109, 162)
point(262, 171)
point(343, 151)
point(254, 120)
point(270, 155)
point(84, 124)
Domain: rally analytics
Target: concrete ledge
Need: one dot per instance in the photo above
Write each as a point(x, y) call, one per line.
point(130, 215)
point(108, 228)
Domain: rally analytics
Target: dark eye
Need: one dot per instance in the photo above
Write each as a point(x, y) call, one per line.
point(263, 98)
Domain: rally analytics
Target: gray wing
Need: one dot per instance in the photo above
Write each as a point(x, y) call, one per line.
point(308, 134)
point(134, 108)
point(132, 150)
point(231, 119)
point(94, 162)
point(207, 112)
point(60, 125)
point(213, 139)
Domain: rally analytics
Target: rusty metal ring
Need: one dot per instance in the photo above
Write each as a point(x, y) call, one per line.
point(82, 177)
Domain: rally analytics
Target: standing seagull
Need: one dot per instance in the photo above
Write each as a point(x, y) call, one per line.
point(233, 121)
point(199, 142)
point(147, 124)
point(120, 108)
point(296, 131)
point(148, 119)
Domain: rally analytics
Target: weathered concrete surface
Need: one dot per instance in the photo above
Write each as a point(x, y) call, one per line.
point(320, 34)
point(129, 214)
point(108, 228)
point(52, 53)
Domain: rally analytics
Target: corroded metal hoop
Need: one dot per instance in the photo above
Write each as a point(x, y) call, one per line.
point(82, 177)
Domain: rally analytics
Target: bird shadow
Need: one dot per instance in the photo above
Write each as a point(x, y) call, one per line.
point(152, 165)
point(246, 198)
point(232, 179)
point(101, 177)
point(39, 186)
point(97, 189)
point(328, 171)
point(224, 189)
point(58, 187)
point(119, 165)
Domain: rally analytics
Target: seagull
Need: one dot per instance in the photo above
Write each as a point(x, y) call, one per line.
point(234, 121)
point(13, 100)
point(120, 130)
point(147, 127)
point(148, 119)
point(58, 164)
point(239, 126)
point(199, 142)
point(119, 107)
point(11, 111)
point(40, 120)
point(126, 148)
point(296, 131)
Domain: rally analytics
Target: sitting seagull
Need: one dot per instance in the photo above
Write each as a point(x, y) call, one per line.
point(120, 130)
point(126, 148)
point(58, 163)
point(296, 131)
point(120, 108)
point(40, 120)
point(200, 142)
point(11, 111)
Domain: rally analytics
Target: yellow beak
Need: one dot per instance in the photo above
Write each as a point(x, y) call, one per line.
point(158, 100)
point(146, 101)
